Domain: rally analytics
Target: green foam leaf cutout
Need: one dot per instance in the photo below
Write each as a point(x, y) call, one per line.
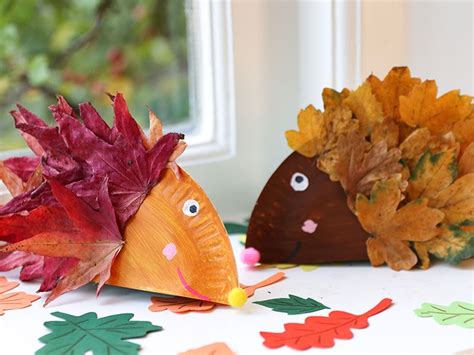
point(458, 313)
point(293, 305)
point(80, 334)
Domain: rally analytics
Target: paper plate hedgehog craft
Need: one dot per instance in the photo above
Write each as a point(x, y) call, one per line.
point(385, 173)
point(111, 205)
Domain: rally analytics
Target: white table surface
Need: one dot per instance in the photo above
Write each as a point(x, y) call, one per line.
point(352, 288)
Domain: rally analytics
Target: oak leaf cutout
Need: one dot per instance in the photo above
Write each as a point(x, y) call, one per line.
point(13, 300)
point(211, 349)
point(179, 305)
point(320, 332)
point(392, 227)
point(457, 313)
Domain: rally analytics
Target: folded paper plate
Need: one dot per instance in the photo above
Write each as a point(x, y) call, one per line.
point(385, 173)
point(111, 205)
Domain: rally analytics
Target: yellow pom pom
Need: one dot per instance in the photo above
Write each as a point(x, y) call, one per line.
point(237, 297)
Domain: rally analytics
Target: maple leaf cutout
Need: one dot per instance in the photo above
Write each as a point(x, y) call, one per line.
point(179, 305)
point(360, 164)
point(397, 82)
point(392, 227)
point(320, 332)
point(13, 300)
point(422, 108)
point(91, 236)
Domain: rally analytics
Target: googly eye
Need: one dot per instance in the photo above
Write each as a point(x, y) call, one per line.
point(299, 182)
point(191, 208)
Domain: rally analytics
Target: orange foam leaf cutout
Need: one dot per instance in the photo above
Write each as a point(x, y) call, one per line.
point(13, 300)
point(250, 290)
point(320, 332)
point(211, 349)
point(179, 305)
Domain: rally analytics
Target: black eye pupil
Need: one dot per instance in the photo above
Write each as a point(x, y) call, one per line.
point(299, 179)
point(193, 209)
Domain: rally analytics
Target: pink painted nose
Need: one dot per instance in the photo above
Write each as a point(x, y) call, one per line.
point(309, 226)
point(170, 251)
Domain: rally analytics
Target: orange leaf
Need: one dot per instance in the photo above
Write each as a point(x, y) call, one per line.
point(250, 290)
point(211, 349)
point(179, 305)
point(13, 300)
point(393, 227)
point(397, 82)
point(421, 108)
point(13, 182)
point(332, 98)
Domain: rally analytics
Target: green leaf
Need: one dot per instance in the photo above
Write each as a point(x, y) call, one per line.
point(293, 305)
point(80, 334)
point(235, 228)
point(38, 71)
point(458, 313)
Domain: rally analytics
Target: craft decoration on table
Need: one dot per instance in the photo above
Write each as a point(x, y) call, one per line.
point(186, 305)
point(111, 205)
point(320, 332)
point(81, 334)
point(293, 305)
point(13, 300)
point(458, 313)
point(211, 349)
point(385, 173)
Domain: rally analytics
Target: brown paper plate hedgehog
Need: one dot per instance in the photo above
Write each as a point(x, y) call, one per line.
point(385, 173)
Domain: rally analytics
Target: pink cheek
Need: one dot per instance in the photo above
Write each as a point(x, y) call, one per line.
point(170, 251)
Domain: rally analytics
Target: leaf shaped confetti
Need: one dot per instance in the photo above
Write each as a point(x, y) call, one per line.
point(250, 290)
point(320, 332)
point(80, 334)
point(179, 305)
point(366, 108)
point(13, 300)
point(393, 227)
point(311, 138)
point(397, 82)
point(211, 349)
point(422, 108)
point(458, 313)
point(293, 305)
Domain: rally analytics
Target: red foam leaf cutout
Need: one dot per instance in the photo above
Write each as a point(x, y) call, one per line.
point(320, 332)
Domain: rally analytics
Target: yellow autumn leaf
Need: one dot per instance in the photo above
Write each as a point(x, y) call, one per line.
point(365, 107)
point(397, 82)
point(333, 98)
point(422, 108)
point(466, 162)
point(393, 227)
point(311, 138)
point(387, 131)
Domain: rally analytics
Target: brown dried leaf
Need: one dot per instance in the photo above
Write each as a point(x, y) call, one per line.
point(366, 108)
point(387, 131)
point(392, 227)
point(360, 164)
point(421, 108)
point(397, 82)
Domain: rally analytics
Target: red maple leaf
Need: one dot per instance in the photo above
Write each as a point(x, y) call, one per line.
point(80, 233)
point(320, 332)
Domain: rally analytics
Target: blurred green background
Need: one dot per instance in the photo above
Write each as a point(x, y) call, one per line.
point(84, 48)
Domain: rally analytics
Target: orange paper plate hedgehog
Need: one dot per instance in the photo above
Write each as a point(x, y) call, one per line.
point(385, 173)
point(111, 205)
